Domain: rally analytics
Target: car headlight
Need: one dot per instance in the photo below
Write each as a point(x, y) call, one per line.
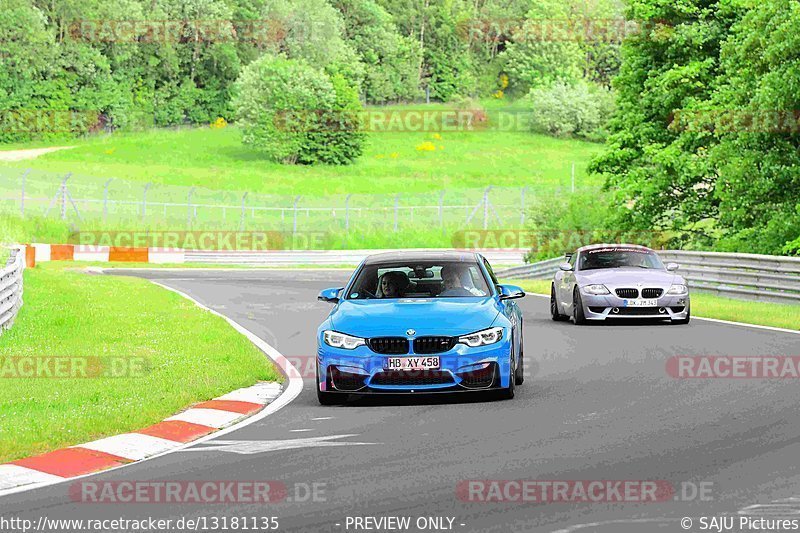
point(482, 338)
point(340, 340)
point(597, 290)
point(678, 289)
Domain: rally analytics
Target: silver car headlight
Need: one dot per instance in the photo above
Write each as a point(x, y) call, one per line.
point(340, 340)
point(597, 290)
point(678, 289)
point(482, 338)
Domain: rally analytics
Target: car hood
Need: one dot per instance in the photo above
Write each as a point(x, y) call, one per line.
point(626, 277)
point(451, 316)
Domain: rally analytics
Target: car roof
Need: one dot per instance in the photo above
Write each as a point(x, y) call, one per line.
point(421, 255)
point(611, 245)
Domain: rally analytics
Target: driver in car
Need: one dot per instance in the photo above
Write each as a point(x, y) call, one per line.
point(453, 282)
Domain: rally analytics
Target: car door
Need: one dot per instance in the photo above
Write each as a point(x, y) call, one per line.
point(567, 283)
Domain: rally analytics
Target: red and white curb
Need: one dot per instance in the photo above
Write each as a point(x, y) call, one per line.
point(171, 434)
point(201, 422)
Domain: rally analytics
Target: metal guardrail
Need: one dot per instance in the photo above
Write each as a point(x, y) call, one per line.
point(766, 278)
point(11, 288)
point(320, 257)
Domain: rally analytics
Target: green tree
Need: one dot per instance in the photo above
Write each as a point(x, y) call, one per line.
point(295, 113)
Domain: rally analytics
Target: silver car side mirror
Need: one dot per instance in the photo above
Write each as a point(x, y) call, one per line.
point(566, 267)
point(672, 266)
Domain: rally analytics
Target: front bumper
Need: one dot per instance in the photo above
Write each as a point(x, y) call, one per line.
point(672, 307)
point(461, 369)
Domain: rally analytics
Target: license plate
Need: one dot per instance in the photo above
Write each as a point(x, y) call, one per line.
point(652, 302)
point(412, 363)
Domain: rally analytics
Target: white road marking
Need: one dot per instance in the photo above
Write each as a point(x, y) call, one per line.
point(214, 418)
point(263, 393)
point(14, 476)
point(299, 430)
point(249, 447)
point(323, 418)
point(133, 446)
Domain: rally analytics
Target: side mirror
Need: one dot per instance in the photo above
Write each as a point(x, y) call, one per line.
point(510, 292)
point(672, 266)
point(566, 267)
point(330, 295)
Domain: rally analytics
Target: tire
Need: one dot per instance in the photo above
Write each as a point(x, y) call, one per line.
point(508, 393)
point(578, 314)
point(325, 398)
point(555, 314)
point(519, 373)
point(684, 320)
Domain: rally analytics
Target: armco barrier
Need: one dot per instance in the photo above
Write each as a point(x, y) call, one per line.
point(11, 287)
point(754, 277)
point(83, 252)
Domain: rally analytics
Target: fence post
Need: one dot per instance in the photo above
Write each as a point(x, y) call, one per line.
point(241, 216)
point(441, 209)
point(347, 213)
point(105, 198)
point(22, 198)
point(573, 176)
point(486, 207)
point(64, 196)
point(189, 206)
point(144, 199)
point(396, 208)
point(294, 215)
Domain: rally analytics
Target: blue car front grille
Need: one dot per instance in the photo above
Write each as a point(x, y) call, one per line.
point(433, 344)
point(388, 345)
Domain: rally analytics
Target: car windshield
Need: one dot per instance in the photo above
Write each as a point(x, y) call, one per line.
point(438, 279)
point(617, 258)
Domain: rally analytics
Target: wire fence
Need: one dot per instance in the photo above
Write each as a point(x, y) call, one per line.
point(115, 202)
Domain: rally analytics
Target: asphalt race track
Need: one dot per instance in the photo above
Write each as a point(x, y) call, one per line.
point(597, 404)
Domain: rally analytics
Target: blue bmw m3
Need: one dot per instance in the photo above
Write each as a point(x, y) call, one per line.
point(420, 322)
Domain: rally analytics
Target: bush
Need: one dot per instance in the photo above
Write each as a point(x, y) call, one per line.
point(295, 113)
point(580, 109)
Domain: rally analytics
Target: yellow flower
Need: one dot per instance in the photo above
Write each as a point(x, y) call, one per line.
point(498, 94)
point(380, 156)
point(218, 124)
point(394, 155)
point(503, 81)
point(110, 151)
point(437, 136)
point(427, 146)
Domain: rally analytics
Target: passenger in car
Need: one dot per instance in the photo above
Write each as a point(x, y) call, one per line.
point(453, 282)
point(392, 285)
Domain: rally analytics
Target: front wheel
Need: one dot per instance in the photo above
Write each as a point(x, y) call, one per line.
point(325, 398)
point(508, 393)
point(578, 314)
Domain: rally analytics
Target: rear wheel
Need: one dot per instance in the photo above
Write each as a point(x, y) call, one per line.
point(555, 313)
point(578, 314)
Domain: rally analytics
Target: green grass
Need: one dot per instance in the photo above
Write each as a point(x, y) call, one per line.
point(216, 159)
point(192, 356)
point(706, 305)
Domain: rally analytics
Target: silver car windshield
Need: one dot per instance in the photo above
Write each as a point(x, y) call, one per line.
point(618, 258)
point(440, 279)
